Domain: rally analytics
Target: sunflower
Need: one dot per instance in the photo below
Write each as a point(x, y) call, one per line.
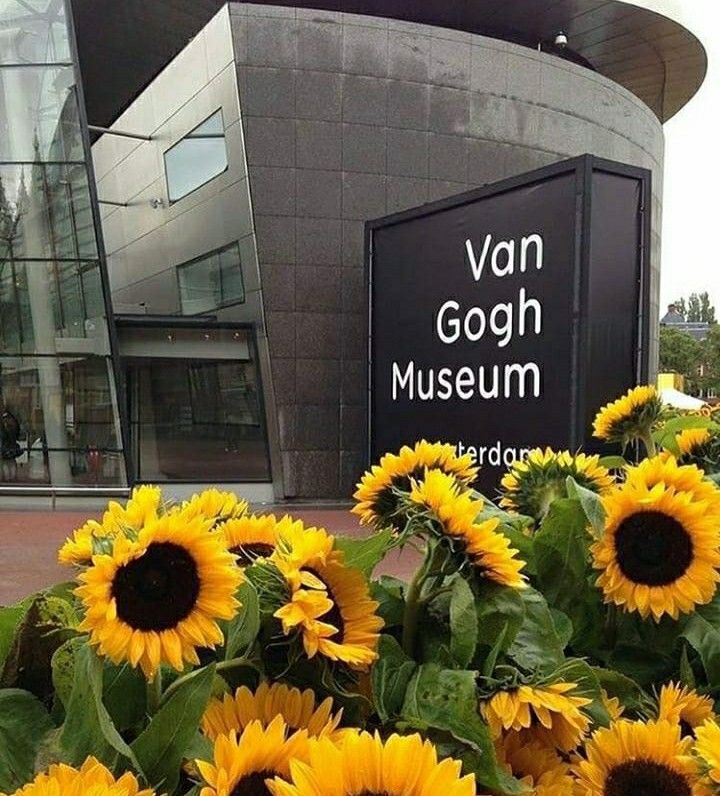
point(634, 759)
point(330, 602)
point(685, 707)
point(365, 765)
point(456, 510)
point(707, 750)
point(630, 416)
point(612, 705)
point(550, 714)
point(212, 504)
point(155, 600)
point(92, 778)
point(242, 763)
point(252, 536)
point(659, 552)
point(701, 447)
point(93, 537)
point(377, 500)
point(299, 710)
point(533, 483)
point(667, 470)
point(537, 766)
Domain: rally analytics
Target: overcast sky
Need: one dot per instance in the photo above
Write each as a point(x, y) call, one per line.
point(691, 197)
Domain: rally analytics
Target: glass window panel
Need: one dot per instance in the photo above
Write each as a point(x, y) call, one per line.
point(197, 420)
point(38, 114)
point(33, 31)
point(232, 289)
point(51, 307)
point(197, 158)
point(59, 421)
point(45, 212)
point(211, 281)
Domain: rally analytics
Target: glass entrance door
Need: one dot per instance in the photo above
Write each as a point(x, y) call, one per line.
point(196, 419)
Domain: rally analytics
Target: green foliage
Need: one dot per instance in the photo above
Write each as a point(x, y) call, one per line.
point(24, 724)
point(390, 677)
point(162, 746)
point(665, 435)
point(463, 623)
point(702, 632)
point(563, 572)
point(365, 554)
point(537, 647)
point(242, 631)
point(446, 700)
point(88, 728)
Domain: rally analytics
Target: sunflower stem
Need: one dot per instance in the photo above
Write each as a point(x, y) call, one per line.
point(648, 442)
point(154, 693)
point(411, 616)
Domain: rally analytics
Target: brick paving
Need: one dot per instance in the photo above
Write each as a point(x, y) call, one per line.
point(29, 541)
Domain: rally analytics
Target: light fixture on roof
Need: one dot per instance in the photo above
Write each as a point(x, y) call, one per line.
point(561, 39)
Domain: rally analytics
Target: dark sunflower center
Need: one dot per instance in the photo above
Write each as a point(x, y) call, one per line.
point(253, 784)
point(653, 548)
point(334, 615)
point(158, 590)
point(645, 778)
point(374, 793)
point(686, 729)
point(247, 553)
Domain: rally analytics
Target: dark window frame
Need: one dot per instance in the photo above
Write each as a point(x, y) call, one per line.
point(184, 138)
point(222, 304)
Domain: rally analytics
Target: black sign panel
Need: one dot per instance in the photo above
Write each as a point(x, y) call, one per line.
point(502, 318)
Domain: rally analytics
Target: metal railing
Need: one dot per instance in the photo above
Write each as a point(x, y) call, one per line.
point(53, 492)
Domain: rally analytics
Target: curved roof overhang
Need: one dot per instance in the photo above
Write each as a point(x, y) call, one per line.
point(642, 45)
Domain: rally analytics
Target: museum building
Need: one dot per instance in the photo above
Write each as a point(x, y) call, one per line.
point(184, 188)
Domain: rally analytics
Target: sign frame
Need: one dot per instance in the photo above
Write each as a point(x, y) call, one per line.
point(582, 167)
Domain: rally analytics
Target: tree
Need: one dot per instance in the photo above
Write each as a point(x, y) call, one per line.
point(680, 353)
point(697, 309)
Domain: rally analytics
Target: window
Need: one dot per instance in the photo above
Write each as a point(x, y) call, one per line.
point(213, 280)
point(197, 158)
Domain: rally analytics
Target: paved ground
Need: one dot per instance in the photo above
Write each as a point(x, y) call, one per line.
point(29, 541)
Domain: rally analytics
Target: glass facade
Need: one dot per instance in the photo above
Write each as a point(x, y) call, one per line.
point(196, 158)
point(193, 415)
point(59, 421)
point(211, 281)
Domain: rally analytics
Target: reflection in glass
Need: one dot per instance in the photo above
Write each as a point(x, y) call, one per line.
point(197, 158)
point(211, 281)
point(64, 412)
point(39, 117)
point(68, 293)
point(197, 417)
point(61, 415)
point(33, 32)
point(45, 212)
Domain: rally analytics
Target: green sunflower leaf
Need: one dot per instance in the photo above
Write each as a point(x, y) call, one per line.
point(620, 686)
point(665, 435)
point(702, 632)
point(583, 675)
point(390, 677)
point(388, 592)
point(500, 613)
point(163, 744)
point(446, 700)
point(88, 728)
point(365, 554)
point(10, 617)
point(613, 462)
point(24, 724)
point(564, 575)
point(536, 646)
point(591, 505)
point(463, 623)
point(243, 629)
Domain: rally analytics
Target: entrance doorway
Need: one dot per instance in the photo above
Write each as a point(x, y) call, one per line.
point(194, 405)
